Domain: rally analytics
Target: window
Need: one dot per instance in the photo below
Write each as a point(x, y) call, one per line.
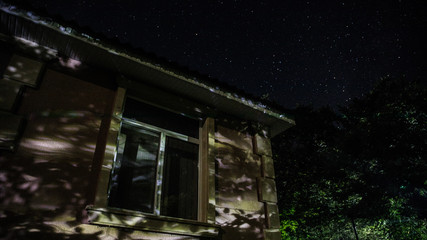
point(156, 167)
point(20, 72)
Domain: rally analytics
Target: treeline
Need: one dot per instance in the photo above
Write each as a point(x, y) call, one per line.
point(357, 173)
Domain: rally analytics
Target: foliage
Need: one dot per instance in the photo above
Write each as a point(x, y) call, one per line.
point(360, 173)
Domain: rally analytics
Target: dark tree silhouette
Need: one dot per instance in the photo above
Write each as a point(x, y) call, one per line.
point(357, 173)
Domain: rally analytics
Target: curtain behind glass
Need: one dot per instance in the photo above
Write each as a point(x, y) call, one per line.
point(180, 179)
point(133, 179)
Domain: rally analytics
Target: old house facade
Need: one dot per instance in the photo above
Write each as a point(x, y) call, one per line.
point(97, 142)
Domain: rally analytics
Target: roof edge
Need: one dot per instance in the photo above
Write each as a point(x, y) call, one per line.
point(96, 42)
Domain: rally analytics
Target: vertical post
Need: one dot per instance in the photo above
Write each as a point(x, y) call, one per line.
point(109, 147)
point(207, 172)
point(159, 174)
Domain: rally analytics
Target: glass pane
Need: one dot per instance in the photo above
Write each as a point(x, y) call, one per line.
point(10, 126)
point(9, 90)
point(134, 174)
point(23, 70)
point(179, 191)
point(161, 118)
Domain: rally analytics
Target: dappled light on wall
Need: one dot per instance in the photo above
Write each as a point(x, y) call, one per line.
point(48, 173)
point(238, 210)
point(241, 224)
point(48, 145)
point(70, 63)
point(76, 157)
point(23, 70)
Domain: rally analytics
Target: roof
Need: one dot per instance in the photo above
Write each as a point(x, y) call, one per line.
point(137, 65)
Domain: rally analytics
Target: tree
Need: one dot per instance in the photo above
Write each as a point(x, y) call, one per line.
point(362, 168)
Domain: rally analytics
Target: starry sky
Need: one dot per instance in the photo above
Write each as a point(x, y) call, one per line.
point(291, 52)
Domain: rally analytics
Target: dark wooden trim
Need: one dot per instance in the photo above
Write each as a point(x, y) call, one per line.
point(140, 221)
point(109, 148)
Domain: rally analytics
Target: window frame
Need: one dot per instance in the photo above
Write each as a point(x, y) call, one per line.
point(99, 213)
point(160, 162)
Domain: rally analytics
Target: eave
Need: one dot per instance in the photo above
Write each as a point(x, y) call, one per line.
point(82, 47)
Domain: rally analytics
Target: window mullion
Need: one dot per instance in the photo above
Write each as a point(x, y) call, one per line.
point(159, 174)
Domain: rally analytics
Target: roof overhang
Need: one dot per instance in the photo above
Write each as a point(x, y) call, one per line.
point(79, 46)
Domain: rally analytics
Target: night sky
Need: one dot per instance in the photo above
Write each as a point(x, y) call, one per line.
point(293, 52)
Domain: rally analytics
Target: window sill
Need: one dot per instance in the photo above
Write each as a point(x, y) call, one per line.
point(140, 221)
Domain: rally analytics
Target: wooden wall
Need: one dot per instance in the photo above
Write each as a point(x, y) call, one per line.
point(50, 177)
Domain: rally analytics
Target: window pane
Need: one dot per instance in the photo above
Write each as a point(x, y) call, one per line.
point(179, 191)
point(134, 174)
point(161, 118)
point(9, 91)
point(10, 125)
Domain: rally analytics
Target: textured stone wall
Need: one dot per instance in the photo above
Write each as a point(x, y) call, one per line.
point(246, 193)
point(267, 186)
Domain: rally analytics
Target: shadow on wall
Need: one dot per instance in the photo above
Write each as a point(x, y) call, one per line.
point(240, 224)
point(237, 173)
point(47, 182)
point(44, 185)
point(238, 210)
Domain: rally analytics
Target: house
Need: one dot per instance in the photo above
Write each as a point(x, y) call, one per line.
point(98, 142)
